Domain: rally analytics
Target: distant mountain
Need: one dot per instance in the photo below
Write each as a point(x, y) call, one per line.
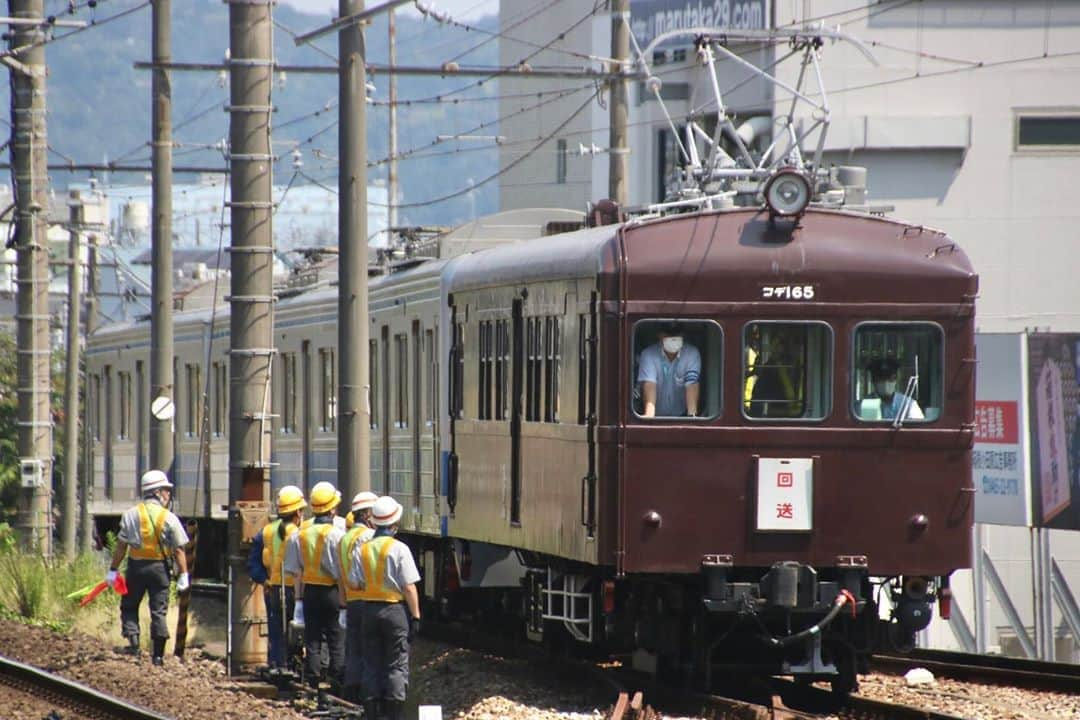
point(99, 104)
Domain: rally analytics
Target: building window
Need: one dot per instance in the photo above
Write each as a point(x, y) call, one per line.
point(787, 370)
point(1048, 131)
point(288, 392)
point(221, 398)
point(560, 161)
point(401, 344)
point(373, 383)
point(327, 391)
point(551, 368)
point(124, 430)
point(192, 377)
point(898, 372)
point(678, 369)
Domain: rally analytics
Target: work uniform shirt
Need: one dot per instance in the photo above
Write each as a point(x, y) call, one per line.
point(361, 537)
point(172, 533)
point(328, 559)
point(891, 408)
point(400, 566)
point(671, 376)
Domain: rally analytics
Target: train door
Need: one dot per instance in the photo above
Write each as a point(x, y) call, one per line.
point(517, 386)
point(385, 400)
point(417, 418)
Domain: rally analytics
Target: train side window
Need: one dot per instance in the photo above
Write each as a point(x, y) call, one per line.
point(401, 343)
point(124, 381)
point(373, 384)
point(327, 391)
point(221, 395)
point(898, 371)
point(288, 392)
point(484, 364)
point(502, 367)
point(432, 379)
point(677, 370)
point(787, 370)
point(552, 359)
point(192, 377)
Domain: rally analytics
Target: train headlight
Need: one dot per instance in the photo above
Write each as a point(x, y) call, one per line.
point(787, 193)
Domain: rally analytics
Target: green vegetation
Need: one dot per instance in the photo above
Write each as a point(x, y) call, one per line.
point(35, 590)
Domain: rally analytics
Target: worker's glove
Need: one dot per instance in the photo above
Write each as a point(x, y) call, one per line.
point(298, 613)
point(414, 628)
point(110, 578)
point(342, 616)
point(183, 582)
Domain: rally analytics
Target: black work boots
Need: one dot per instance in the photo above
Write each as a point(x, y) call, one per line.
point(133, 645)
point(159, 651)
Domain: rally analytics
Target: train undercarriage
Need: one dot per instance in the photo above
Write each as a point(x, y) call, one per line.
point(704, 630)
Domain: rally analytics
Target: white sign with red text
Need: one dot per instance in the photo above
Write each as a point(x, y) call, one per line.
point(785, 494)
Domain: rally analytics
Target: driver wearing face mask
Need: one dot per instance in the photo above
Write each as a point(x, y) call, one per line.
point(883, 375)
point(669, 373)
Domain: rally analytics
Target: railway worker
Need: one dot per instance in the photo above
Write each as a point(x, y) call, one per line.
point(361, 531)
point(310, 557)
point(385, 572)
point(669, 372)
point(883, 374)
point(266, 567)
point(149, 535)
point(777, 391)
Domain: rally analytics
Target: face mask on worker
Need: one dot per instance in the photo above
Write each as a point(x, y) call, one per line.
point(672, 344)
point(885, 388)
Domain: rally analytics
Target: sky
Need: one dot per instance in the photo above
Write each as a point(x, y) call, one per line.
point(459, 9)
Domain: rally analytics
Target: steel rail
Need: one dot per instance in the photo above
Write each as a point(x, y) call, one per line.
point(1015, 672)
point(75, 695)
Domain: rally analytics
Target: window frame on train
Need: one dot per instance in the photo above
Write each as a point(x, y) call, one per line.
point(860, 374)
point(717, 341)
point(824, 368)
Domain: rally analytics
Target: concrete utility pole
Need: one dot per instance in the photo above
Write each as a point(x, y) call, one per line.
point(69, 516)
point(252, 303)
point(86, 523)
point(28, 158)
point(392, 177)
point(354, 414)
point(162, 383)
point(619, 150)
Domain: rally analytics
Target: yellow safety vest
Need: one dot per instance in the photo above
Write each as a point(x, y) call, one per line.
point(373, 554)
point(355, 535)
point(306, 523)
point(312, 545)
point(150, 530)
point(273, 554)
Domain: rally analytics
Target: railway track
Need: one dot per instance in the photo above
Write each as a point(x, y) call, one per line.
point(69, 695)
point(990, 669)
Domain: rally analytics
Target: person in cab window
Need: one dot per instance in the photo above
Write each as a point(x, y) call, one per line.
point(669, 372)
point(883, 374)
point(777, 390)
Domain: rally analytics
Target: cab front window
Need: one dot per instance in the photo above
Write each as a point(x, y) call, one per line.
point(787, 370)
point(677, 368)
point(898, 370)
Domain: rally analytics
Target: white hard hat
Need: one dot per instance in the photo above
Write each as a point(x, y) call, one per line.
point(363, 500)
point(386, 511)
point(154, 480)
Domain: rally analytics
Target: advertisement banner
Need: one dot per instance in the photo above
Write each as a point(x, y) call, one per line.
point(1053, 367)
point(650, 18)
point(998, 466)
